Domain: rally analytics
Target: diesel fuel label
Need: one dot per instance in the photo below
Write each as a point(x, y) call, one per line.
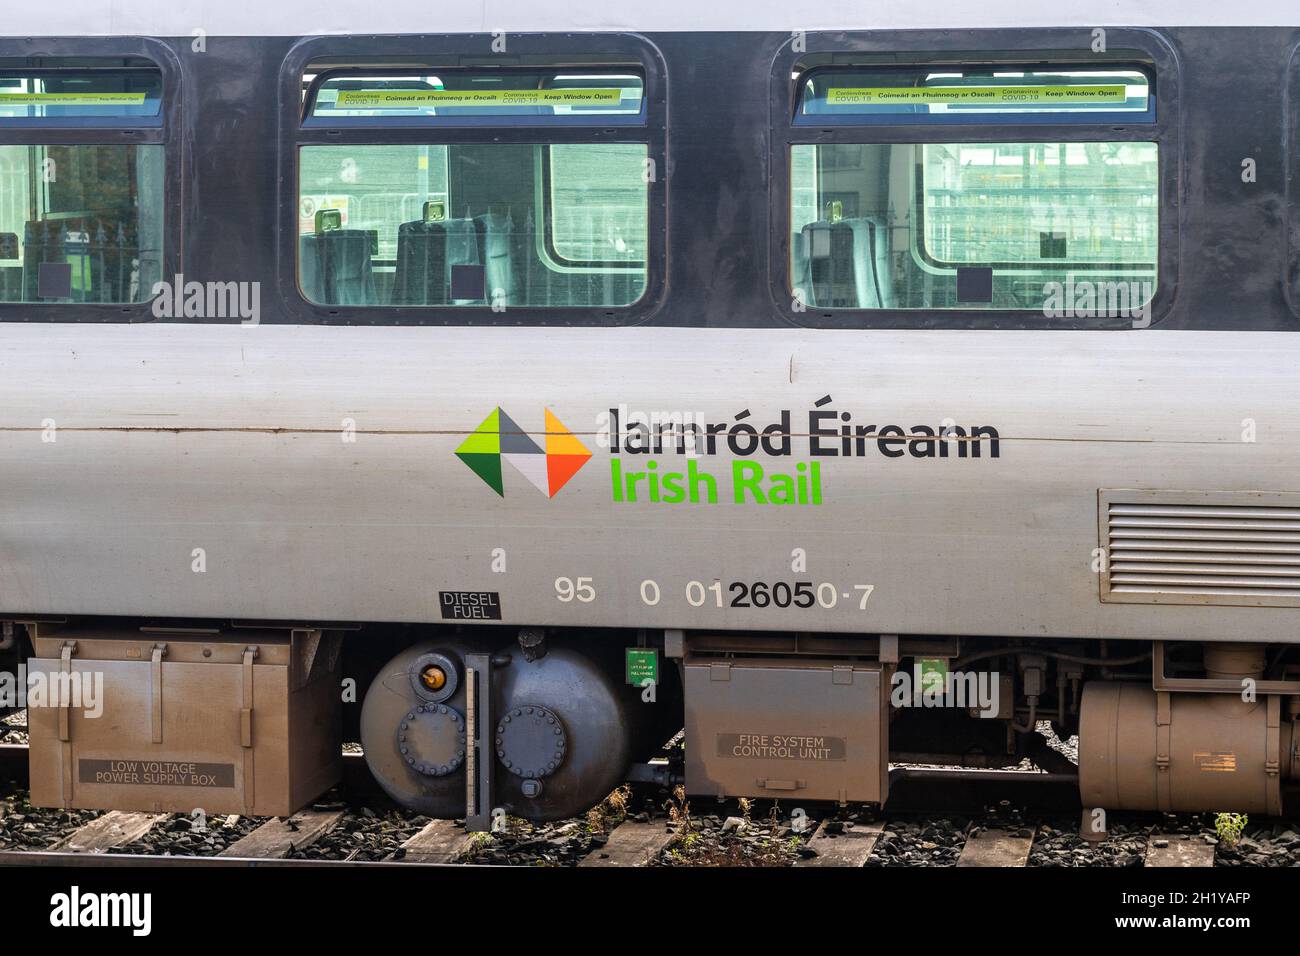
point(156, 773)
point(780, 747)
point(470, 605)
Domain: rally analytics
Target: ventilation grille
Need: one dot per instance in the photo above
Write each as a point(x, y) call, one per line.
point(1201, 552)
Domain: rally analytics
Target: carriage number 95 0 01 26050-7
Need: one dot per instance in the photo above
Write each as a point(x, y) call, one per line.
point(736, 594)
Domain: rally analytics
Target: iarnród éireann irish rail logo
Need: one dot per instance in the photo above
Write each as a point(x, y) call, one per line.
point(498, 437)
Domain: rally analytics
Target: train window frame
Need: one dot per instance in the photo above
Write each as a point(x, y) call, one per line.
point(312, 119)
point(91, 55)
point(546, 235)
point(922, 250)
point(1010, 48)
point(599, 52)
point(975, 117)
point(1291, 179)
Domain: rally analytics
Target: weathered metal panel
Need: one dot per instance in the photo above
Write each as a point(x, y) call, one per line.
point(175, 723)
point(786, 729)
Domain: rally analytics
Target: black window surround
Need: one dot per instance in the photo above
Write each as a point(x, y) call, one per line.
point(1291, 120)
point(611, 51)
point(96, 54)
point(1027, 48)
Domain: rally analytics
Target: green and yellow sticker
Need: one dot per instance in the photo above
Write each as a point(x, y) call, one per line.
point(396, 99)
point(72, 99)
point(976, 95)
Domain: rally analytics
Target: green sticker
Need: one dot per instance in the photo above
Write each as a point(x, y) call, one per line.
point(934, 672)
point(641, 664)
point(395, 99)
point(71, 99)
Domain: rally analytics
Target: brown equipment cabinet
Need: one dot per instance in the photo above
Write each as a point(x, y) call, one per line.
point(227, 721)
point(786, 728)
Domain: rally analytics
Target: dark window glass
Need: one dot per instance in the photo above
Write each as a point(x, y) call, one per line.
point(80, 223)
point(539, 225)
point(955, 95)
point(974, 225)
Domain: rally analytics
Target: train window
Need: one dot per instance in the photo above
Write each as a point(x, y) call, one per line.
point(111, 95)
point(954, 95)
point(898, 225)
point(473, 222)
point(943, 223)
point(548, 99)
point(596, 213)
point(79, 222)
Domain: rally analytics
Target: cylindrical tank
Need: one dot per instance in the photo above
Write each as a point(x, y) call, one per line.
point(594, 717)
point(564, 728)
point(413, 735)
point(1218, 748)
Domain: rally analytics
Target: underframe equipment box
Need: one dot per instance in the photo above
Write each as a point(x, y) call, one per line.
point(238, 720)
point(786, 728)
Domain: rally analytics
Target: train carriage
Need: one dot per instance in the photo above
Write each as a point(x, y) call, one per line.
point(875, 387)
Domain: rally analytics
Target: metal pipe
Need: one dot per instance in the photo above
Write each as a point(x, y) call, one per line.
point(1073, 658)
point(1033, 718)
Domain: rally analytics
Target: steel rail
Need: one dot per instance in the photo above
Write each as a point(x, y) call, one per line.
point(45, 858)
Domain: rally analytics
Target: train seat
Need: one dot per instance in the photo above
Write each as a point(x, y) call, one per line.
point(426, 255)
point(336, 267)
point(844, 264)
point(309, 269)
point(429, 252)
point(98, 253)
point(496, 240)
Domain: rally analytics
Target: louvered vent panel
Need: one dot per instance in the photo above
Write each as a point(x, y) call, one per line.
point(1201, 552)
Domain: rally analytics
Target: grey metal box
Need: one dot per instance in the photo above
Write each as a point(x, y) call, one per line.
point(786, 729)
point(234, 721)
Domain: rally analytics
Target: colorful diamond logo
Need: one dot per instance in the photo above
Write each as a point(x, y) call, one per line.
point(548, 467)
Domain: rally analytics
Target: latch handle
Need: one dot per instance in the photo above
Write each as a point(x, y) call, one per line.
point(155, 689)
point(246, 712)
point(65, 706)
point(65, 719)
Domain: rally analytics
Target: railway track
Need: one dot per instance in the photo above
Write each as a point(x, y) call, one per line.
point(104, 842)
point(1024, 819)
